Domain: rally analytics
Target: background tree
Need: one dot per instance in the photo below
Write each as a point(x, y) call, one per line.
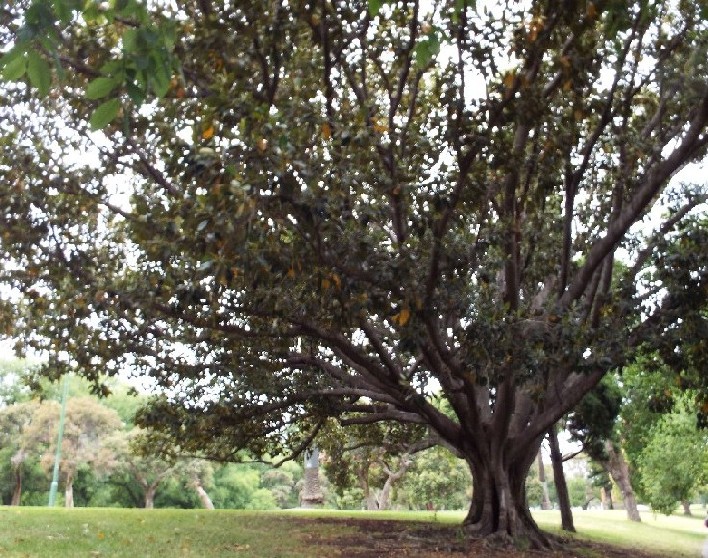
point(133, 456)
point(436, 480)
point(12, 387)
point(594, 423)
point(87, 426)
point(373, 457)
point(674, 463)
point(282, 483)
point(15, 421)
point(324, 218)
point(240, 486)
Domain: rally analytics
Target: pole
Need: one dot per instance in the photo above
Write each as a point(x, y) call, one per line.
point(57, 457)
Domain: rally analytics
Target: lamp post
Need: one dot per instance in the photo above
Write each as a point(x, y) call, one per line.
point(57, 457)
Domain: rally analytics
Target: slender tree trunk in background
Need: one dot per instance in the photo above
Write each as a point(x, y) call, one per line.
point(546, 499)
point(150, 491)
point(606, 492)
point(686, 507)
point(69, 492)
point(204, 498)
point(17, 490)
point(363, 476)
point(559, 478)
point(618, 469)
point(16, 461)
point(311, 496)
point(392, 477)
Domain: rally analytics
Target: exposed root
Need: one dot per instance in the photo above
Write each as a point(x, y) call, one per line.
point(524, 539)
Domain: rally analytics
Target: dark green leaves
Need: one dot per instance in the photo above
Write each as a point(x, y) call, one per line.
point(104, 114)
point(427, 49)
point(14, 65)
point(101, 87)
point(39, 73)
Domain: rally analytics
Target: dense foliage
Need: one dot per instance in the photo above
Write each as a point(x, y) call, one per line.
point(304, 210)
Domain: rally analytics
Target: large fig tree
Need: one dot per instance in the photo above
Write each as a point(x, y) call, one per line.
point(304, 209)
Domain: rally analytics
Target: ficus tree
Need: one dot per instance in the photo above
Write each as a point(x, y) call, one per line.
point(307, 209)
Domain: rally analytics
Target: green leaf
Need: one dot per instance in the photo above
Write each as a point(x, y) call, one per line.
point(375, 6)
point(14, 68)
point(427, 49)
point(136, 94)
point(100, 87)
point(104, 114)
point(39, 73)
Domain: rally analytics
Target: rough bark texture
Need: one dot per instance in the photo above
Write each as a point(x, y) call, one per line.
point(311, 492)
point(498, 507)
point(617, 467)
point(559, 478)
point(546, 498)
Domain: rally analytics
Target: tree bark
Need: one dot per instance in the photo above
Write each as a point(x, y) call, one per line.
point(311, 496)
point(17, 490)
point(150, 491)
point(546, 498)
point(559, 478)
point(606, 492)
point(362, 475)
point(392, 477)
point(69, 492)
point(498, 509)
point(686, 507)
point(16, 461)
point(204, 498)
point(617, 467)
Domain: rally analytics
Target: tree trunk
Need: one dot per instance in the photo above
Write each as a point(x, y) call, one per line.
point(372, 502)
point(311, 496)
point(686, 507)
point(559, 478)
point(362, 474)
point(204, 498)
point(391, 478)
point(606, 492)
point(17, 490)
point(498, 508)
point(17, 461)
point(69, 492)
point(150, 491)
point(546, 498)
point(618, 469)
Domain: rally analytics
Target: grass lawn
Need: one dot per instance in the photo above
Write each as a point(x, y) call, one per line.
point(675, 535)
point(41, 532)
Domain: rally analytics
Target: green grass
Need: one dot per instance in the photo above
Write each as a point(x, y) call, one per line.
point(134, 533)
point(675, 536)
point(29, 532)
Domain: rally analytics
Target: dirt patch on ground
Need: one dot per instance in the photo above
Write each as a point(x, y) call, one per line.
point(379, 538)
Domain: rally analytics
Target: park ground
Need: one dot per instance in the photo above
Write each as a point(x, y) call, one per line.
point(29, 532)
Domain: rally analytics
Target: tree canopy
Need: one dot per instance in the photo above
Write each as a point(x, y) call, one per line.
point(301, 210)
